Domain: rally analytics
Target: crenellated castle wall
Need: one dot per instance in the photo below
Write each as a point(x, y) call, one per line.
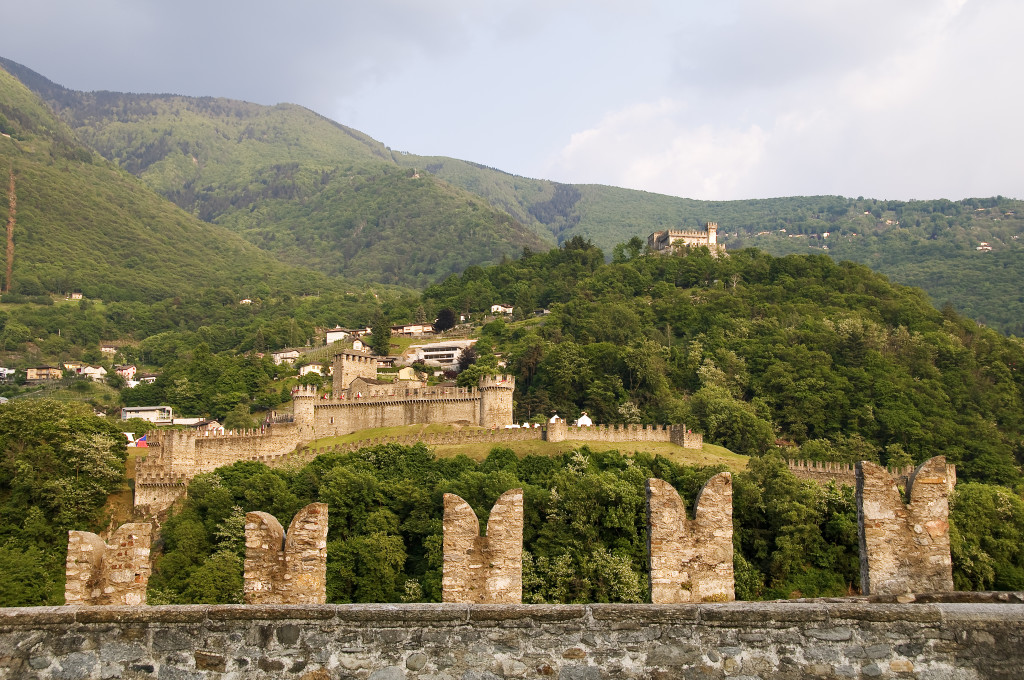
point(176, 456)
point(824, 472)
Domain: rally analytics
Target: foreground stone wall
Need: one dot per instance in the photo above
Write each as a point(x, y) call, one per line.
point(286, 569)
point(691, 560)
point(776, 641)
point(904, 548)
point(483, 569)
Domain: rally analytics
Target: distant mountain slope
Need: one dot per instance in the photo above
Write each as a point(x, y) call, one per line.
point(312, 191)
point(934, 244)
point(83, 224)
point(322, 194)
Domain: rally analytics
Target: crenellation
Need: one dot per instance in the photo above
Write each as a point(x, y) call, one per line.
point(286, 568)
point(904, 547)
point(691, 560)
point(112, 572)
point(483, 569)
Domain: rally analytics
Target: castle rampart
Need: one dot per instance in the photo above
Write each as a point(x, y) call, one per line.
point(286, 568)
point(979, 639)
point(904, 547)
point(176, 456)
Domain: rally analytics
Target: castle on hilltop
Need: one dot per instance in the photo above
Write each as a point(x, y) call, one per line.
point(175, 456)
point(361, 402)
point(670, 240)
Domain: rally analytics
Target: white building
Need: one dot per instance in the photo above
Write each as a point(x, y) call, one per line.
point(160, 415)
point(338, 333)
point(445, 354)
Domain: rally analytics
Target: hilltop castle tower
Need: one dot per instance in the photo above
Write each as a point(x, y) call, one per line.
point(670, 239)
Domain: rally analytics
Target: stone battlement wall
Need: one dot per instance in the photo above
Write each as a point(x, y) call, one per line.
point(823, 472)
point(785, 640)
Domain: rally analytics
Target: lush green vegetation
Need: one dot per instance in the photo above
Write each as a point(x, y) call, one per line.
point(585, 537)
point(751, 349)
point(58, 463)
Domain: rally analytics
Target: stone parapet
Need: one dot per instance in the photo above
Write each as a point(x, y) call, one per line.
point(825, 471)
point(483, 569)
point(753, 640)
point(108, 573)
point(286, 569)
point(691, 560)
point(904, 547)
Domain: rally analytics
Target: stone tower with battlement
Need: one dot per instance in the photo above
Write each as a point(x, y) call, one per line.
point(304, 409)
point(671, 239)
point(483, 569)
point(691, 560)
point(904, 547)
point(349, 365)
point(496, 400)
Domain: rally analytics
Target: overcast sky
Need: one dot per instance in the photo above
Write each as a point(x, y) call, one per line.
point(713, 99)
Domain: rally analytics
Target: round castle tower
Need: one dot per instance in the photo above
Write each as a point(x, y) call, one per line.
point(303, 406)
point(496, 400)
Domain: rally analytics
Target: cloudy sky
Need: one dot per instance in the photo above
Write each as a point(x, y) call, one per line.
point(712, 99)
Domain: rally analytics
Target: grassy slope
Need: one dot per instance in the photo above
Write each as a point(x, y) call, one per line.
point(82, 224)
point(709, 455)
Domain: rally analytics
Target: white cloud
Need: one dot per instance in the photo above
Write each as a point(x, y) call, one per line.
point(921, 107)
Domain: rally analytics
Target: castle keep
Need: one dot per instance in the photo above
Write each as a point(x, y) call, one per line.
point(670, 239)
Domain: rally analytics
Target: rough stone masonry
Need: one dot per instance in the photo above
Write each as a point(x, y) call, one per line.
point(115, 572)
point(691, 560)
point(904, 548)
point(719, 641)
point(286, 569)
point(483, 569)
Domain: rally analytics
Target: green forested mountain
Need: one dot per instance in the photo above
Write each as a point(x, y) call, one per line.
point(755, 351)
point(324, 195)
point(82, 224)
point(311, 191)
point(929, 244)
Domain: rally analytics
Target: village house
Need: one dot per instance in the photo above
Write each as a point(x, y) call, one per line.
point(72, 365)
point(444, 354)
point(148, 378)
point(283, 355)
point(413, 330)
point(127, 371)
point(502, 309)
point(108, 348)
point(6, 374)
point(311, 368)
point(38, 374)
point(94, 373)
point(338, 333)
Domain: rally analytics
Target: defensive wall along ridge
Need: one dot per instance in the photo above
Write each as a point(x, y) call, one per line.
point(175, 456)
point(895, 635)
